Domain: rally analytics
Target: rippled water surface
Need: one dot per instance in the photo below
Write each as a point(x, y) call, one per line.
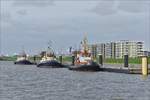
point(20, 82)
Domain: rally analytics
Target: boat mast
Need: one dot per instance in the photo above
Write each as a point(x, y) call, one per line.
point(85, 44)
point(50, 51)
point(23, 53)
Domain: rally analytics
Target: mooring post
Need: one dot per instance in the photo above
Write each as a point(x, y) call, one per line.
point(100, 59)
point(60, 59)
point(144, 65)
point(73, 60)
point(34, 58)
point(126, 61)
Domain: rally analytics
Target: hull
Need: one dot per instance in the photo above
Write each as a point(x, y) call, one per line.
point(24, 62)
point(91, 67)
point(50, 64)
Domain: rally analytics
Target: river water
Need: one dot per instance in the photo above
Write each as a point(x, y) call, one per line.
point(20, 82)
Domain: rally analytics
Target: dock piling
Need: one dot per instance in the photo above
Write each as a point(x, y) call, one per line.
point(73, 60)
point(34, 58)
point(100, 59)
point(60, 59)
point(144, 66)
point(126, 61)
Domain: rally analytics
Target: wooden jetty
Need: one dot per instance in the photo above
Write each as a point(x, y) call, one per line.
point(128, 70)
point(137, 70)
point(125, 70)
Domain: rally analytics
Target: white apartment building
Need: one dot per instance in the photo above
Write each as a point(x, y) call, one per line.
point(130, 48)
point(119, 49)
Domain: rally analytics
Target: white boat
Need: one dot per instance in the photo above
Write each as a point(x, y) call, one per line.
point(49, 60)
point(84, 60)
point(22, 59)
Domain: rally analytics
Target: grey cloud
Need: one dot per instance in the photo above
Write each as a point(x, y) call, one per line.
point(33, 3)
point(5, 17)
point(22, 12)
point(134, 6)
point(105, 7)
point(108, 7)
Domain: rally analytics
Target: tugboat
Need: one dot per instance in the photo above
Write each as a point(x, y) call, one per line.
point(84, 60)
point(49, 60)
point(22, 59)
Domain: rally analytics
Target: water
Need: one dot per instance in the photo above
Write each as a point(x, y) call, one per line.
point(19, 82)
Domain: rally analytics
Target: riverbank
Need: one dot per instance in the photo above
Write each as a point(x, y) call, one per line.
point(69, 59)
point(14, 58)
point(112, 61)
point(10, 58)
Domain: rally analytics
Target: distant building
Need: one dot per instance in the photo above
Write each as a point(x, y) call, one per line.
point(131, 48)
point(93, 49)
point(105, 49)
point(118, 49)
point(146, 53)
point(110, 49)
point(101, 49)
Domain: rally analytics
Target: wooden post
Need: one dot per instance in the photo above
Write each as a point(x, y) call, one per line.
point(73, 60)
point(34, 58)
point(144, 65)
point(60, 59)
point(100, 59)
point(126, 61)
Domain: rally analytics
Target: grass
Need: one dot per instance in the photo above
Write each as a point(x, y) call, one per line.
point(65, 58)
point(32, 59)
point(137, 60)
point(12, 58)
point(115, 61)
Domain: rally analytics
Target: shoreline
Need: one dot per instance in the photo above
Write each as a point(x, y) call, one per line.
point(69, 59)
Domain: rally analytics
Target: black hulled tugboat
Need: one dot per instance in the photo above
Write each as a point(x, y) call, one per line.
point(49, 60)
point(83, 59)
point(22, 59)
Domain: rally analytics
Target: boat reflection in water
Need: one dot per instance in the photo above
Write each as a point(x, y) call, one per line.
point(49, 60)
point(84, 60)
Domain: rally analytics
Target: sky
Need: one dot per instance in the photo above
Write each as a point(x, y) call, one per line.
point(30, 24)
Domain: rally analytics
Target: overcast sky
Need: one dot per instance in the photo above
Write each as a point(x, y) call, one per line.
point(32, 23)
